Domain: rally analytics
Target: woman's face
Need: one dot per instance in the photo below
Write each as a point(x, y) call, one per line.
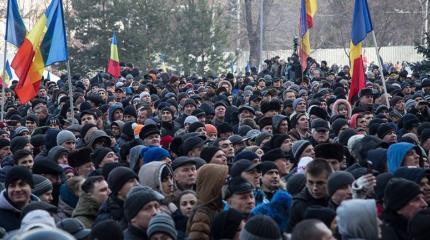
point(342, 110)
point(219, 158)
point(186, 204)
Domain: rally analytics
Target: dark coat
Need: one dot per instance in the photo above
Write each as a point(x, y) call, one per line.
point(301, 202)
point(112, 208)
point(133, 233)
point(394, 227)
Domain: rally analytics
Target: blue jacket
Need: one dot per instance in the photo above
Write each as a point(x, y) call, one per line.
point(396, 154)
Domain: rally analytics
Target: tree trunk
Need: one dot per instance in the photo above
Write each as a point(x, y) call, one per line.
point(253, 35)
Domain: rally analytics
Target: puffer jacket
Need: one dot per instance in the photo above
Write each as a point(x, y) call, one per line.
point(210, 180)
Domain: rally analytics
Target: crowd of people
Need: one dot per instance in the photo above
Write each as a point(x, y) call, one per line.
point(265, 155)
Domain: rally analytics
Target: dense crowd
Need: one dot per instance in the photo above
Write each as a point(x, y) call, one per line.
point(265, 155)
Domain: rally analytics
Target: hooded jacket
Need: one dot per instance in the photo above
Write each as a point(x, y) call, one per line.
point(150, 175)
point(334, 108)
point(112, 109)
point(135, 157)
point(86, 210)
point(396, 155)
point(210, 179)
point(276, 121)
point(55, 153)
point(356, 219)
point(10, 215)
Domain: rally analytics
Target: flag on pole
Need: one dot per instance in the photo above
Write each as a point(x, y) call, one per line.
point(113, 66)
point(44, 45)
point(307, 12)
point(8, 75)
point(361, 26)
point(15, 28)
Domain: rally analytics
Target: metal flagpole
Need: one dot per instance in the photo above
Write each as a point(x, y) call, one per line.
point(3, 95)
point(382, 69)
point(69, 80)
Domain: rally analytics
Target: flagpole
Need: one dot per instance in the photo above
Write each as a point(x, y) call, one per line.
point(69, 80)
point(381, 69)
point(3, 94)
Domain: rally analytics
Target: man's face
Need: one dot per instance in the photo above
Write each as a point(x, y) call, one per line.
point(227, 147)
point(220, 111)
point(46, 197)
point(100, 192)
point(267, 128)
point(116, 132)
point(141, 220)
point(425, 188)
point(85, 169)
point(87, 119)
point(271, 179)
point(286, 145)
point(118, 115)
point(290, 96)
point(188, 109)
point(413, 206)
point(152, 140)
point(283, 127)
point(219, 158)
point(242, 202)
point(303, 123)
point(186, 175)
point(390, 137)
point(19, 192)
point(142, 115)
point(317, 185)
point(412, 159)
point(283, 166)
point(335, 164)
point(320, 135)
point(5, 151)
point(301, 107)
point(166, 116)
point(122, 193)
point(253, 176)
point(342, 194)
point(26, 161)
point(30, 125)
point(129, 118)
point(366, 100)
point(246, 114)
point(41, 112)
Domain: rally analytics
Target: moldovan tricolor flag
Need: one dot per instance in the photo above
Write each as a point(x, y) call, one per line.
point(113, 65)
point(307, 12)
point(44, 45)
point(361, 26)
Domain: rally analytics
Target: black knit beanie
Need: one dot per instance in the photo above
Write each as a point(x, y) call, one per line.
point(261, 227)
point(296, 183)
point(18, 143)
point(106, 230)
point(399, 192)
point(226, 224)
point(267, 166)
point(130, 110)
point(208, 153)
point(18, 173)
point(338, 180)
point(98, 155)
point(325, 214)
point(118, 177)
point(137, 198)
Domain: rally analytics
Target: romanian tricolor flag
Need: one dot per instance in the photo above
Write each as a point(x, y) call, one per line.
point(361, 26)
point(307, 12)
point(44, 45)
point(113, 65)
point(8, 76)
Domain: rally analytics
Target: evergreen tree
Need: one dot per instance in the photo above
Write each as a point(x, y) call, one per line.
point(423, 66)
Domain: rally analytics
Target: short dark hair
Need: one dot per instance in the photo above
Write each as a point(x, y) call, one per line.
point(22, 153)
point(307, 230)
point(318, 167)
point(88, 185)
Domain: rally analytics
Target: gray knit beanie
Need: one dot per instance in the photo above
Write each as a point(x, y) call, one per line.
point(137, 198)
point(41, 185)
point(162, 223)
point(64, 136)
point(298, 148)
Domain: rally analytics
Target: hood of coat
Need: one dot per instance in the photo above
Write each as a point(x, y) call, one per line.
point(209, 182)
point(150, 175)
point(357, 219)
